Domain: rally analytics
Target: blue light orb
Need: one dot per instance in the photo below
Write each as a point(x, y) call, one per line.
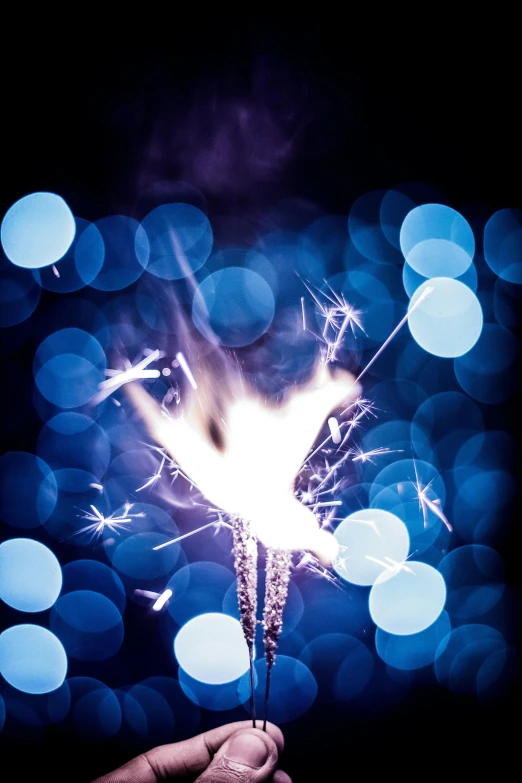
point(464, 653)
point(327, 654)
point(474, 577)
point(198, 587)
point(19, 294)
point(326, 608)
point(180, 238)
point(68, 367)
point(366, 232)
point(32, 659)
point(30, 575)
point(503, 244)
point(354, 673)
point(155, 719)
point(72, 440)
point(88, 624)
point(293, 689)
point(224, 696)
point(403, 475)
point(448, 320)
point(409, 600)
point(413, 651)
point(28, 490)
point(63, 277)
point(119, 259)
point(233, 306)
point(211, 648)
point(437, 241)
point(135, 556)
point(95, 709)
point(411, 279)
point(187, 716)
point(489, 371)
point(37, 230)
point(95, 576)
point(369, 541)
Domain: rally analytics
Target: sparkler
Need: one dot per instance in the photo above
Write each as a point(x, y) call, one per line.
point(221, 441)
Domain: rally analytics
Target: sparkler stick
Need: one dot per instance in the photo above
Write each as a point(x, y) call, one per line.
point(278, 563)
point(245, 563)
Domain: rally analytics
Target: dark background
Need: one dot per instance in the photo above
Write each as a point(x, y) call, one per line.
point(353, 105)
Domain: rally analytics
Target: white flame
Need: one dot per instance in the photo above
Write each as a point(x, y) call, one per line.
point(253, 475)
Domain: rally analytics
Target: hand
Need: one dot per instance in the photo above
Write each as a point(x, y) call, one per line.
point(235, 753)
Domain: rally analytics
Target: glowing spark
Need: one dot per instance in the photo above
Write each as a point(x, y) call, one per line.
point(186, 369)
point(219, 523)
point(162, 600)
point(55, 270)
point(147, 594)
point(427, 291)
point(366, 456)
point(303, 313)
point(392, 565)
point(329, 503)
point(426, 503)
point(117, 378)
point(97, 486)
point(154, 477)
point(101, 522)
point(334, 429)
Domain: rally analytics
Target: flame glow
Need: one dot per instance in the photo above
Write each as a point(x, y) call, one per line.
point(246, 460)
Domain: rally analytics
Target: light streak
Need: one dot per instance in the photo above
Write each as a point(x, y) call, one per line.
point(426, 503)
point(334, 429)
point(303, 313)
point(117, 378)
point(219, 523)
point(162, 600)
point(55, 270)
point(186, 369)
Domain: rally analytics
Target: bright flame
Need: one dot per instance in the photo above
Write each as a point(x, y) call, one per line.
point(247, 462)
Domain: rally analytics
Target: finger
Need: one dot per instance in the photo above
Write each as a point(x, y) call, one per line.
point(249, 756)
point(281, 777)
point(189, 757)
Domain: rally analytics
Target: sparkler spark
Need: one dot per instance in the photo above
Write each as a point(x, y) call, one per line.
point(162, 600)
point(112, 522)
point(117, 378)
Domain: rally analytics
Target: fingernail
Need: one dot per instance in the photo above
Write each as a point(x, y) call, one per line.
point(247, 749)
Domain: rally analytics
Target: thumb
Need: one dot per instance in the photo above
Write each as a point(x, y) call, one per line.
point(248, 756)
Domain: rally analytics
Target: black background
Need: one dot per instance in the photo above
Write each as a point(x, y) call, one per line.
point(367, 103)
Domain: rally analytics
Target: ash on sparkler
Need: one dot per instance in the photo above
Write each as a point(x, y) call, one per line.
point(278, 564)
point(245, 563)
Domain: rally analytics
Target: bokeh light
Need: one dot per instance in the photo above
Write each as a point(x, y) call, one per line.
point(448, 320)
point(32, 659)
point(30, 575)
point(369, 541)
point(412, 651)
point(437, 241)
point(233, 306)
point(180, 238)
point(37, 230)
point(88, 624)
point(119, 259)
point(293, 688)
point(28, 490)
point(502, 244)
point(211, 648)
point(408, 599)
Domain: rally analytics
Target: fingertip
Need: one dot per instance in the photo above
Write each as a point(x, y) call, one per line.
point(281, 777)
point(274, 732)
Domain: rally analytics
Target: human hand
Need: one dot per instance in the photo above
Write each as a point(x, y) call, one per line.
point(235, 753)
